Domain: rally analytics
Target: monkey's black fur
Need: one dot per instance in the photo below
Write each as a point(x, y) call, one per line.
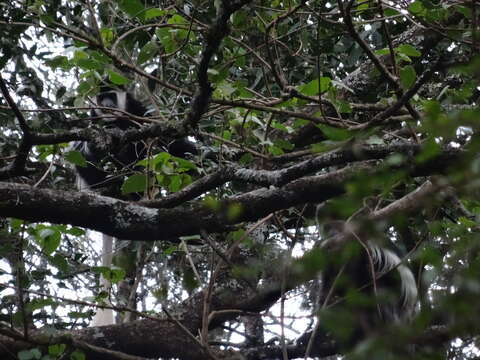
point(103, 164)
point(365, 289)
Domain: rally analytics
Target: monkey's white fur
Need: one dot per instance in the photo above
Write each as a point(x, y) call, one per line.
point(386, 261)
point(105, 316)
point(120, 103)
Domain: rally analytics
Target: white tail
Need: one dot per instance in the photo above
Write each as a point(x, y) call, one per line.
point(105, 316)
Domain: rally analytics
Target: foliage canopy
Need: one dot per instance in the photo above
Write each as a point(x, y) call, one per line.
point(305, 113)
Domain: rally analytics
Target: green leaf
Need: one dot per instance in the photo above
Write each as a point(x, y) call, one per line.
point(436, 15)
point(77, 355)
point(310, 263)
point(161, 180)
point(107, 35)
point(84, 87)
point(408, 50)
point(177, 19)
point(45, 151)
point(186, 180)
point(311, 88)
point(246, 159)
point(37, 304)
point(343, 106)
point(78, 315)
point(417, 8)
point(79, 54)
point(76, 158)
point(184, 165)
point(362, 5)
point(89, 64)
point(57, 349)
point(134, 8)
point(30, 354)
point(189, 280)
point(148, 51)
point(100, 57)
point(275, 150)
point(404, 57)
point(175, 183)
point(16, 224)
point(59, 62)
point(224, 89)
point(47, 19)
point(49, 240)
point(166, 168)
point(390, 12)
point(135, 183)
point(384, 51)
point(160, 158)
point(334, 133)
point(325, 84)
point(227, 135)
point(59, 262)
point(432, 108)
point(284, 144)
point(467, 222)
point(153, 13)
point(75, 231)
point(407, 76)
point(116, 78)
point(166, 39)
point(281, 127)
point(114, 275)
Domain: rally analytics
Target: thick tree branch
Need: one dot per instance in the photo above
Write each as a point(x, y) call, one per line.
point(131, 221)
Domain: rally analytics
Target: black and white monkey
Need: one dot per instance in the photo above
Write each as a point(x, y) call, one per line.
point(107, 165)
point(364, 289)
point(117, 99)
point(102, 162)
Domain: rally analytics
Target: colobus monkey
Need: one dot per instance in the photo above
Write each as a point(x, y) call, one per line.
point(369, 287)
point(119, 99)
point(101, 163)
point(94, 174)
